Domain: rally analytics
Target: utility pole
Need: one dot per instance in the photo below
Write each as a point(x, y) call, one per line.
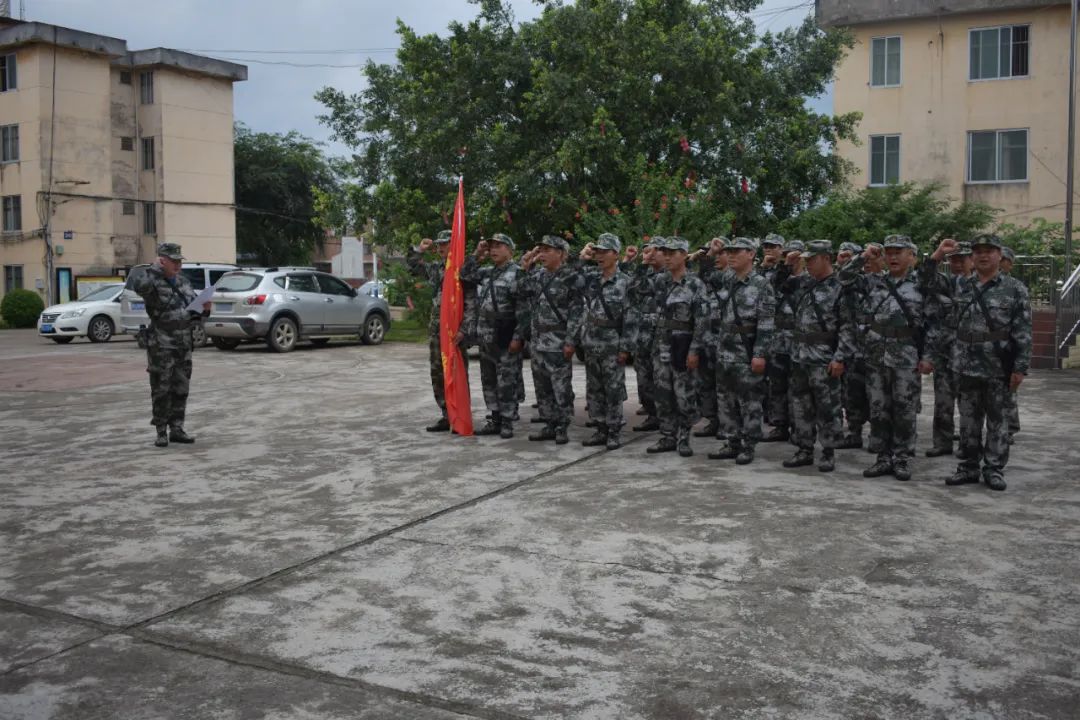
point(1071, 159)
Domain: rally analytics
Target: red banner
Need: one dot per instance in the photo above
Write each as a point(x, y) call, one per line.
point(451, 313)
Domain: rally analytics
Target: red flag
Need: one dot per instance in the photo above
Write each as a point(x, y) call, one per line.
point(451, 313)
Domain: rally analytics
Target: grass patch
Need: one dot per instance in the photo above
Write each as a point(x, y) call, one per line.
point(406, 330)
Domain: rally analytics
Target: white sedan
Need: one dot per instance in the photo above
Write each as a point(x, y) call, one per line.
point(95, 317)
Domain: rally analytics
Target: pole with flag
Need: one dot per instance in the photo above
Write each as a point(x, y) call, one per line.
point(451, 314)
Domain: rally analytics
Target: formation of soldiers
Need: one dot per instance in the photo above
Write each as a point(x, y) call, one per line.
point(812, 344)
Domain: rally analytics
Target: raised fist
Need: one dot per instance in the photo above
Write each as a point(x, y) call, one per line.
point(426, 244)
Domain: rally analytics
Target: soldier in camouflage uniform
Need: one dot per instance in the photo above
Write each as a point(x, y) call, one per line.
point(680, 342)
point(605, 323)
point(991, 356)
point(500, 318)
point(853, 391)
point(1008, 257)
point(746, 306)
point(643, 297)
point(823, 344)
point(711, 259)
point(167, 293)
point(941, 336)
point(779, 356)
point(893, 308)
point(551, 291)
point(432, 271)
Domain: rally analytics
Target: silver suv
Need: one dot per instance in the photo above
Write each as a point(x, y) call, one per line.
point(285, 305)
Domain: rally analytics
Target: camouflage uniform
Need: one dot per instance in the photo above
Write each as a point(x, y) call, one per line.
point(822, 334)
point(978, 357)
point(168, 342)
point(552, 297)
point(853, 383)
point(605, 324)
point(893, 331)
point(746, 310)
point(710, 392)
point(681, 331)
point(642, 294)
point(769, 273)
point(500, 317)
point(1013, 412)
point(941, 336)
point(779, 359)
point(432, 271)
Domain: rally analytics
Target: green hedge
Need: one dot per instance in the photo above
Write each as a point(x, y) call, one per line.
point(21, 308)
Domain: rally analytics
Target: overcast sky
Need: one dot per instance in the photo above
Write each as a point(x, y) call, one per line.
point(280, 97)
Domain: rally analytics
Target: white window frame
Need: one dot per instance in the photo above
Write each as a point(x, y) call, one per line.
point(885, 168)
point(146, 87)
point(899, 70)
point(7, 142)
point(997, 157)
point(11, 72)
point(972, 31)
point(16, 213)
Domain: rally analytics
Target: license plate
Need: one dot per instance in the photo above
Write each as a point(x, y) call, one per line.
point(46, 328)
point(138, 306)
point(222, 307)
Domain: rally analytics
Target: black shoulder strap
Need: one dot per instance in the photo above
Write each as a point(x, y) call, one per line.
point(903, 306)
point(544, 290)
point(982, 306)
point(603, 302)
point(817, 308)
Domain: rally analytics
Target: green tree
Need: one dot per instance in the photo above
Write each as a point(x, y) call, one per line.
point(557, 118)
point(278, 180)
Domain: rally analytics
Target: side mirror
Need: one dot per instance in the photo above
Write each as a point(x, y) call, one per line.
point(354, 292)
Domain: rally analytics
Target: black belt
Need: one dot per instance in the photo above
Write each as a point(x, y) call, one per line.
point(887, 331)
point(492, 315)
point(605, 323)
point(785, 324)
point(666, 324)
point(550, 328)
point(813, 338)
point(981, 337)
point(742, 329)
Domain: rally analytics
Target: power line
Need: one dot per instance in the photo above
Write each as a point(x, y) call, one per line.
point(346, 51)
point(286, 63)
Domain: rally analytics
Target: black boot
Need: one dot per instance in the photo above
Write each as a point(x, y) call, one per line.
point(746, 455)
point(682, 443)
point(614, 442)
point(598, 438)
point(963, 476)
point(162, 439)
point(777, 434)
point(177, 435)
point(801, 458)
point(651, 423)
point(828, 461)
point(710, 429)
point(881, 468)
point(901, 470)
point(443, 425)
point(491, 427)
point(938, 451)
point(545, 433)
point(538, 419)
point(561, 437)
point(995, 482)
point(506, 429)
point(730, 449)
point(666, 443)
point(641, 411)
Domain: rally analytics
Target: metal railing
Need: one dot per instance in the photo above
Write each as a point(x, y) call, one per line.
point(1040, 273)
point(1068, 313)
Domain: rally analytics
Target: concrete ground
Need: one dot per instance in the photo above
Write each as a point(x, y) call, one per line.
point(317, 555)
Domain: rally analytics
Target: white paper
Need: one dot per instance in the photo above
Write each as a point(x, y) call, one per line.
point(203, 297)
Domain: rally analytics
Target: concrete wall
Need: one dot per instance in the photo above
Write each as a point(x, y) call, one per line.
point(854, 12)
point(936, 105)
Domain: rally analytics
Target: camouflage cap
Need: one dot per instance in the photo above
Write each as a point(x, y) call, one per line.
point(1007, 253)
point(875, 245)
point(677, 243)
point(794, 246)
point(556, 242)
point(818, 247)
point(903, 242)
point(961, 250)
point(656, 241)
point(742, 243)
point(773, 239)
point(722, 239)
point(850, 247)
point(170, 250)
point(443, 236)
point(608, 241)
point(988, 239)
point(504, 239)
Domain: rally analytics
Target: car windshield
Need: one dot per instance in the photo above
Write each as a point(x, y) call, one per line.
point(237, 282)
point(103, 293)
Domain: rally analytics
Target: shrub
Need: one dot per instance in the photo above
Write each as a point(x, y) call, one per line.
point(21, 308)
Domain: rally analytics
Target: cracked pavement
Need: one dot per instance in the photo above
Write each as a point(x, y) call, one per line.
point(316, 554)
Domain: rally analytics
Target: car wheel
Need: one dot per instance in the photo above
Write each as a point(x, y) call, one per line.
point(198, 335)
point(62, 340)
point(282, 335)
point(225, 343)
point(100, 329)
point(319, 342)
point(374, 330)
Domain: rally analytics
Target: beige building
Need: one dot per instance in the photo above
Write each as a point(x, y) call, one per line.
point(105, 152)
point(971, 93)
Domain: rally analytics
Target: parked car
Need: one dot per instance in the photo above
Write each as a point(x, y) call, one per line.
point(133, 311)
point(95, 317)
point(283, 306)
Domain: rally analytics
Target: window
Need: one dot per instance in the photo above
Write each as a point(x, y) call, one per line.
point(1000, 52)
point(149, 219)
point(146, 88)
point(240, 282)
point(12, 213)
point(885, 61)
point(216, 275)
point(997, 156)
point(129, 207)
point(8, 76)
point(125, 77)
point(13, 279)
point(884, 159)
point(303, 283)
point(196, 277)
point(127, 143)
point(332, 286)
point(148, 153)
point(9, 134)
